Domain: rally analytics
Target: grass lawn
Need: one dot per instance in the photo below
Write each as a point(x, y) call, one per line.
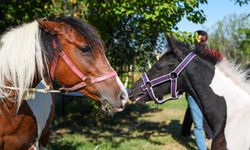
point(149, 127)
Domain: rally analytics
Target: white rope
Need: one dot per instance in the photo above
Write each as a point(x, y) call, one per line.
point(45, 90)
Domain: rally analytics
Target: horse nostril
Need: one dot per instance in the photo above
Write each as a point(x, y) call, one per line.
point(123, 98)
point(123, 95)
point(130, 93)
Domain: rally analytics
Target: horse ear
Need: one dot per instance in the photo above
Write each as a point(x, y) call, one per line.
point(52, 27)
point(172, 42)
point(60, 28)
point(174, 45)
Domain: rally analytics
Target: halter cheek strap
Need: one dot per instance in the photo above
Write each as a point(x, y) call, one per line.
point(86, 81)
point(172, 77)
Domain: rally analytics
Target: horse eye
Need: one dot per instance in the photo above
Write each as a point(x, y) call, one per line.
point(85, 49)
point(158, 66)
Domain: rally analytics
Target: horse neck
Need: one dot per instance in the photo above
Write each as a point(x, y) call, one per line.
point(8, 107)
point(212, 105)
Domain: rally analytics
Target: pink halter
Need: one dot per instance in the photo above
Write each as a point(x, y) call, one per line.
point(86, 81)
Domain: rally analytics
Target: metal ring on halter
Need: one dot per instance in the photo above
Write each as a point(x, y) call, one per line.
point(173, 75)
point(88, 80)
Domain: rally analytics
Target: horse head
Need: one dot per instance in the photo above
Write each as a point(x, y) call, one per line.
point(77, 60)
point(168, 62)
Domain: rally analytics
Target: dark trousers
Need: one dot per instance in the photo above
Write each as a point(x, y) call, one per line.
point(187, 124)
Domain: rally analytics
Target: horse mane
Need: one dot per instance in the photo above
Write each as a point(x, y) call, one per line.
point(21, 58)
point(238, 75)
point(209, 54)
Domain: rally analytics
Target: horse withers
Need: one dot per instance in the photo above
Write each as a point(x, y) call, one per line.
point(221, 92)
point(63, 49)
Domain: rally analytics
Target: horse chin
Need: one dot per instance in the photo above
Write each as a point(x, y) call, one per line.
point(106, 105)
point(141, 100)
point(109, 108)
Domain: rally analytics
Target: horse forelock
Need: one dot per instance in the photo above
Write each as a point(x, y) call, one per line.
point(87, 31)
point(21, 59)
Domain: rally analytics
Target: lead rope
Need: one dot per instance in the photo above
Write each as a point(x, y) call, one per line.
point(45, 90)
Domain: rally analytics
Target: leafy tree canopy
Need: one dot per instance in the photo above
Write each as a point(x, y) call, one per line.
point(16, 12)
point(231, 36)
point(242, 2)
point(130, 28)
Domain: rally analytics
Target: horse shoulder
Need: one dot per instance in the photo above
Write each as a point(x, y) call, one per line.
point(17, 130)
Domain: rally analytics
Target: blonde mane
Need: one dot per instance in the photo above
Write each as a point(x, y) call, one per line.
point(237, 75)
point(21, 56)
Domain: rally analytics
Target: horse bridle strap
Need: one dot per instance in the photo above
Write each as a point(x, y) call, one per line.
point(172, 77)
point(86, 81)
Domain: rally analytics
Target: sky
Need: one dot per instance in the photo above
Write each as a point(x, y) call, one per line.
point(215, 10)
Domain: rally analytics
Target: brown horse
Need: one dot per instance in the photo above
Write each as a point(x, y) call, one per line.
point(65, 49)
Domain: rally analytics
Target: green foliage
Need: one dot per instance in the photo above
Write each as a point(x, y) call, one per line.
point(130, 28)
point(79, 142)
point(67, 142)
point(16, 12)
point(73, 8)
point(242, 2)
point(231, 37)
point(185, 36)
point(244, 43)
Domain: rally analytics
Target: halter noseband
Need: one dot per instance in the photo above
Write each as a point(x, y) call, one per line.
point(86, 81)
point(172, 76)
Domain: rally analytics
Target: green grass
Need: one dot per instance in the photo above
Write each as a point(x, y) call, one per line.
point(151, 127)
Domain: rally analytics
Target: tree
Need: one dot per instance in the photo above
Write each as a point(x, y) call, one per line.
point(231, 37)
point(130, 28)
point(16, 12)
point(244, 43)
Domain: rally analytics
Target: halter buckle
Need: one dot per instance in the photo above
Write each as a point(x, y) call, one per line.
point(148, 85)
point(173, 75)
point(88, 80)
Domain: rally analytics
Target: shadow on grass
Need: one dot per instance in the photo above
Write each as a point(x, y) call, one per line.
point(124, 126)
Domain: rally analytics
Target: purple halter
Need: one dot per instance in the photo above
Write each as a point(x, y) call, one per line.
point(172, 76)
